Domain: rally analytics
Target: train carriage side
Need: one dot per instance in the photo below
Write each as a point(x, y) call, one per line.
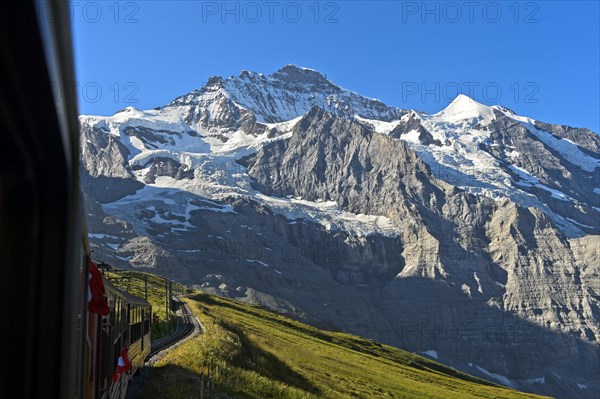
point(127, 324)
point(138, 312)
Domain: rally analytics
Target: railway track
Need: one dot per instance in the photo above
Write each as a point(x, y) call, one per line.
point(186, 324)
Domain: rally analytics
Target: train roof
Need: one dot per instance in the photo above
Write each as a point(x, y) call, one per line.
point(128, 296)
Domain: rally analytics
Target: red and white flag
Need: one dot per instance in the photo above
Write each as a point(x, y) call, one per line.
point(96, 301)
point(123, 364)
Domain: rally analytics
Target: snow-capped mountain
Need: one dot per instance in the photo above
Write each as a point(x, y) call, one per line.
point(493, 152)
point(286, 94)
point(290, 191)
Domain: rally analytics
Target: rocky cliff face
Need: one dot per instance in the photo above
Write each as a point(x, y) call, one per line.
point(471, 234)
point(472, 255)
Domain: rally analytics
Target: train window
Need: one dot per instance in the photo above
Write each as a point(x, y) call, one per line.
point(116, 353)
point(147, 321)
point(117, 323)
point(123, 314)
point(138, 322)
point(124, 326)
point(112, 310)
point(135, 326)
point(105, 355)
point(116, 313)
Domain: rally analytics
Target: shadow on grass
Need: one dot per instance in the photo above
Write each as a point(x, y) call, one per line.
point(464, 329)
point(252, 357)
point(357, 344)
point(172, 381)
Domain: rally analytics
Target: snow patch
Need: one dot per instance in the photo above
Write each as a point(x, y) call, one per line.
point(257, 261)
point(540, 380)
point(579, 224)
point(569, 150)
point(102, 236)
point(378, 126)
point(499, 377)
point(431, 353)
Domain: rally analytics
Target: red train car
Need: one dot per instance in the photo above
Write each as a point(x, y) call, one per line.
point(127, 325)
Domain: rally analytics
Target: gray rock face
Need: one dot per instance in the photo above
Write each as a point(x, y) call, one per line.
point(333, 158)
point(333, 223)
point(414, 123)
point(585, 138)
point(166, 167)
point(104, 166)
point(156, 138)
point(553, 171)
point(224, 113)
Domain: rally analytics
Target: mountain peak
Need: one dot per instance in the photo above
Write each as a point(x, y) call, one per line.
point(464, 102)
point(293, 67)
point(292, 73)
point(214, 81)
point(464, 107)
point(463, 99)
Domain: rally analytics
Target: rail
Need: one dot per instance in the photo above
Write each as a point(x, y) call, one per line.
point(186, 324)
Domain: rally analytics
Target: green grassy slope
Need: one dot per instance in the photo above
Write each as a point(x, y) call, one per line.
point(247, 352)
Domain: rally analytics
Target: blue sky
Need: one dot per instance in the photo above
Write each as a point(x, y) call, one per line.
point(541, 59)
